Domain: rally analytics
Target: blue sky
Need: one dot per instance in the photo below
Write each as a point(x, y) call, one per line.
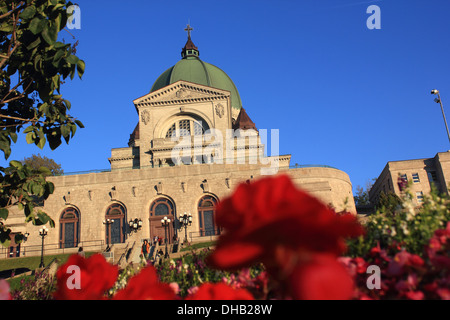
point(340, 94)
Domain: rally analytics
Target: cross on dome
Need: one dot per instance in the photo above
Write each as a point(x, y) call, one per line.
point(188, 29)
point(189, 50)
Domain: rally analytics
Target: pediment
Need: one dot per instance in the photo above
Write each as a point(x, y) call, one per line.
point(181, 92)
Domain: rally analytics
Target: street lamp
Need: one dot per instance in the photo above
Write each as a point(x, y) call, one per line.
point(135, 224)
point(185, 220)
point(165, 223)
point(43, 232)
point(107, 223)
point(438, 100)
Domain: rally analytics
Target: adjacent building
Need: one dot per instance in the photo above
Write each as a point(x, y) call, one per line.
point(420, 173)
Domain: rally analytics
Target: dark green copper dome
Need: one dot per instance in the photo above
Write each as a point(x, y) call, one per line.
point(191, 68)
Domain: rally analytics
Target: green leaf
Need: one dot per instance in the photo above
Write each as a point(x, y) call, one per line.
point(45, 171)
point(16, 164)
point(13, 136)
point(28, 129)
point(4, 213)
point(65, 131)
point(37, 25)
point(41, 143)
point(79, 123)
point(30, 137)
point(80, 68)
point(50, 187)
point(73, 129)
point(4, 237)
point(47, 34)
point(34, 44)
point(28, 13)
point(72, 59)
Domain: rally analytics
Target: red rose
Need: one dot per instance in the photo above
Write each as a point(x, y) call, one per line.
point(273, 222)
point(85, 279)
point(402, 262)
point(145, 286)
point(321, 278)
point(219, 291)
point(272, 212)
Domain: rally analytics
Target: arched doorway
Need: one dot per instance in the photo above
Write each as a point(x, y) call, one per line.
point(160, 208)
point(206, 216)
point(69, 228)
point(115, 231)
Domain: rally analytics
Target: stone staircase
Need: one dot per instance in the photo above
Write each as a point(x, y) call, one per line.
point(123, 254)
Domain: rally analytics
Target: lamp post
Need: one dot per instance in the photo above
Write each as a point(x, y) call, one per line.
point(165, 223)
point(438, 100)
point(135, 224)
point(185, 220)
point(107, 223)
point(43, 232)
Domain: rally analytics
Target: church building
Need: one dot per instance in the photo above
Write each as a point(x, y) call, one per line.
point(192, 145)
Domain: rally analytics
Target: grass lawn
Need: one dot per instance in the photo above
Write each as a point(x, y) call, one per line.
point(30, 263)
point(33, 262)
point(198, 246)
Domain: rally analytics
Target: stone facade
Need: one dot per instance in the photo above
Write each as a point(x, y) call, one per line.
point(148, 180)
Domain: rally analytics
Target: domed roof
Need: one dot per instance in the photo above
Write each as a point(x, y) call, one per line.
point(191, 68)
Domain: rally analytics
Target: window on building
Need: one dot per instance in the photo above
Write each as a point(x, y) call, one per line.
point(187, 127)
point(419, 196)
point(432, 176)
point(415, 177)
point(115, 231)
point(69, 228)
point(404, 177)
point(206, 216)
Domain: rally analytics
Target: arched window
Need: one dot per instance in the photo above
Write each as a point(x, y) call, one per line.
point(160, 208)
point(186, 127)
point(69, 228)
point(115, 231)
point(206, 216)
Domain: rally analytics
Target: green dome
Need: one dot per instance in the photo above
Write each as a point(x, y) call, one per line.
point(192, 69)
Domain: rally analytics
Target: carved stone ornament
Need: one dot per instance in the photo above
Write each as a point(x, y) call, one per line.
point(205, 186)
point(159, 188)
point(228, 182)
point(145, 115)
point(113, 194)
point(182, 93)
point(67, 197)
point(220, 110)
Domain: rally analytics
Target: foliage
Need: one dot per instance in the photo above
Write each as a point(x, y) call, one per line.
point(38, 161)
point(191, 271)
point(388, 202)
point(277, 261)
point(33, 66)
point(362, 197)
point(404, 226)
point(404, 275)
point(39, 287)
